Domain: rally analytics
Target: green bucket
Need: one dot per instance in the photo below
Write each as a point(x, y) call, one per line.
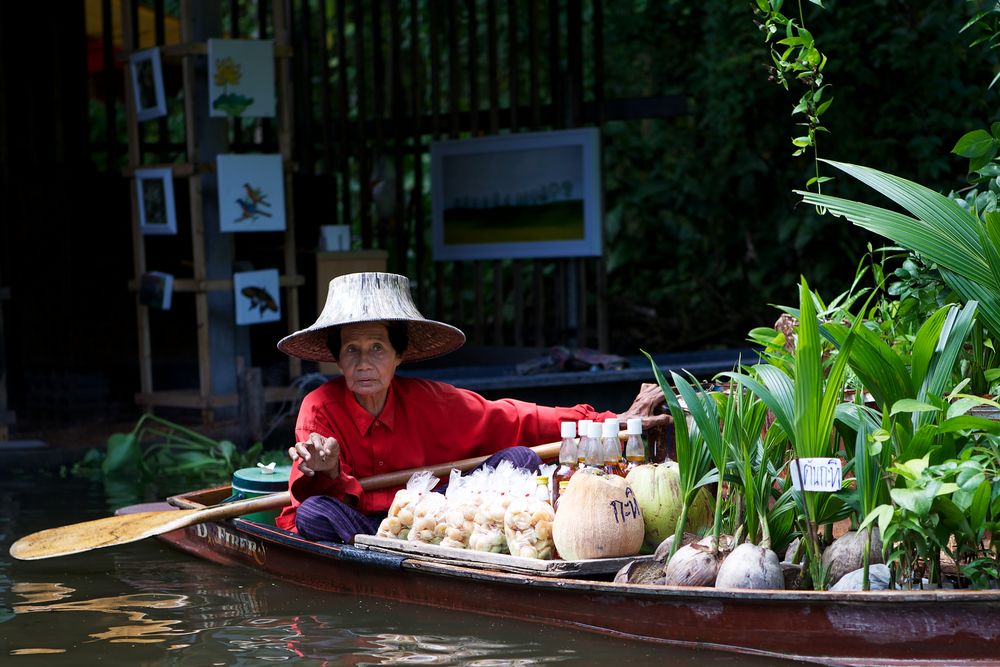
point(254, 482)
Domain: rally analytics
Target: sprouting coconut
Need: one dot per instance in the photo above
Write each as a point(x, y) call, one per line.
point(750, 566)
point(662, 552)
point(695, 564)
point(845, 554)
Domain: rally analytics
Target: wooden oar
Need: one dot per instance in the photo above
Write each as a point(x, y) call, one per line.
point(125, 528)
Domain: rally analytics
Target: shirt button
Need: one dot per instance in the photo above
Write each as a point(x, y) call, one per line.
point(381, 463)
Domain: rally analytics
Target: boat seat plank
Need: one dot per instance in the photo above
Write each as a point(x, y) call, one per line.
point(493, 561)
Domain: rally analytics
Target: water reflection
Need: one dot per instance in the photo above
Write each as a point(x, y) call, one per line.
point(144, 628)
point(144, 603)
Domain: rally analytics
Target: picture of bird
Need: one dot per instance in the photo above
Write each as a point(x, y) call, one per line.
point(250, 211)
point(257, 196)
point(260, 298)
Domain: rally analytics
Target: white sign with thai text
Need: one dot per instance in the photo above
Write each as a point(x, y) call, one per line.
point(816, 474)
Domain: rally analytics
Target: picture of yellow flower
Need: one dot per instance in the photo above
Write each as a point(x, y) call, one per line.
point(228, 72)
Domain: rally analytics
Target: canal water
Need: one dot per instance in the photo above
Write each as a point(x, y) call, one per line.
point(147, 604)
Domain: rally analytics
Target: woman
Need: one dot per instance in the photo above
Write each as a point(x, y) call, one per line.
point(368, 421)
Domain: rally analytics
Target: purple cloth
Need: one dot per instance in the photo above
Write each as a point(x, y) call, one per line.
point(326, 519)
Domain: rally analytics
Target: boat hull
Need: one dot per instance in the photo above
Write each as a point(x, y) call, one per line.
point(865, 628)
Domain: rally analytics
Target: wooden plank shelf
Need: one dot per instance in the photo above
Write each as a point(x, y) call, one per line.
point(494, 561)
point(198, 169)
point(190, 398)
point(220, 285)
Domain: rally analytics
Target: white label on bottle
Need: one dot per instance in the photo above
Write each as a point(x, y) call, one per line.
point(816, 474)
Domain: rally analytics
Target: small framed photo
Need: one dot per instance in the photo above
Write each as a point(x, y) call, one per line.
point(155, 192)
point(241, 78)
point(251, 193)
point(258, 298)
point(147, 84)
point(156, 290)
point(524, 195)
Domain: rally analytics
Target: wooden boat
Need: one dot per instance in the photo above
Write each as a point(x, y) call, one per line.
point(857, 628)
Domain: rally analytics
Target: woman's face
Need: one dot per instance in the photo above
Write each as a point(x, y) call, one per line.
point(367, 359)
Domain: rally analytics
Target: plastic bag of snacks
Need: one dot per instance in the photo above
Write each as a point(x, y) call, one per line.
point(464, 495)
point(401, 513)
point(507, 483)
point(428, 519)
point(528, 520)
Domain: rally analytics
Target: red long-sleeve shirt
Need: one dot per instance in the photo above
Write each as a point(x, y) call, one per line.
point(423, 423)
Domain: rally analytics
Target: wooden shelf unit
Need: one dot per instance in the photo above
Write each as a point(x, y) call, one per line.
point(202, 398)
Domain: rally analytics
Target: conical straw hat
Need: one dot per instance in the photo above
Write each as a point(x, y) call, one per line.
point(373, 297)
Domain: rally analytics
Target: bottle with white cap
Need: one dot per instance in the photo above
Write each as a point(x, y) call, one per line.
point(567, 458)
point(594, 451)
point(611, 447)
point(635, 452)
point(582, 430)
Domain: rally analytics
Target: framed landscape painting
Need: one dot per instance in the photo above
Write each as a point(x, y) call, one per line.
point(155, 195)
point(251, 193)
point(147, 84)
point(258, 298)
point(517, 196)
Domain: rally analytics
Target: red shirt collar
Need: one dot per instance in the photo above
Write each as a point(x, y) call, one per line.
point(364, 419)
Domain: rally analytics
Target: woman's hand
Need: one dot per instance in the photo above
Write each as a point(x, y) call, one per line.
point(650, 405)
point(317, 454)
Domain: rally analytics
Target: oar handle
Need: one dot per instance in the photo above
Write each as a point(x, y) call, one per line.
point(383, 481)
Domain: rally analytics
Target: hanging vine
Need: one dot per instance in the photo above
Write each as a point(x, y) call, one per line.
point(796, 58)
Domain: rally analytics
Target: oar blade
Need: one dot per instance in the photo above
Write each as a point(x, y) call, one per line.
point(106, 532)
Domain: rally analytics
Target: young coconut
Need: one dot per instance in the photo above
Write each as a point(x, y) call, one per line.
point(598, 517)
point(657, 487)
point(695, 564)
point(750, 566)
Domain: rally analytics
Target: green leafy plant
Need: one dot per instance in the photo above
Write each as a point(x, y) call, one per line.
point(796, 58)
point(694, 458)
point(965, 248)
point(157, 448)
point(804, 405)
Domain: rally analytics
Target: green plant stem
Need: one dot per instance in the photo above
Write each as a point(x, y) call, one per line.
point(679, 530)
point(865, 548)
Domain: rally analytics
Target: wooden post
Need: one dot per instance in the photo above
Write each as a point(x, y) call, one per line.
point(250, 390)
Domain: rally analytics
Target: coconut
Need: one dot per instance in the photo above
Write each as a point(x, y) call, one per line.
point(663, 551)
point(750, 566)
point(657, 487)
point(598, 517)
point(640, 572)
point(695, 564)
point(844, 555)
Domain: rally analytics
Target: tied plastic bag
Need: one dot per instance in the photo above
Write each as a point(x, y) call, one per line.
point(399, 521)
point(528, 520)
point(507, 483)
point(428, 519)
point(528, 528)
point(464, 497)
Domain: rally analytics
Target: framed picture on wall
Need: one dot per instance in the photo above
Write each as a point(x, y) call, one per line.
point(241, 78)
point(524, 195)
point(258, 298)
point(251, 193)
point(147, 84)
point(155, 195)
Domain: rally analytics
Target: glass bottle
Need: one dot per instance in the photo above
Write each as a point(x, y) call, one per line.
point(542, 491)
point(583, 430)
point(594, 452)
point(635, 453)
point(611, 448)
point(567, 457)
point(562, 489)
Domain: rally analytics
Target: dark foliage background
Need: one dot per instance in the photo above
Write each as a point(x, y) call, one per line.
point(704, 229)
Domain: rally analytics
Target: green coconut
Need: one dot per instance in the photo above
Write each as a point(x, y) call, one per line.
point(657, 488)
